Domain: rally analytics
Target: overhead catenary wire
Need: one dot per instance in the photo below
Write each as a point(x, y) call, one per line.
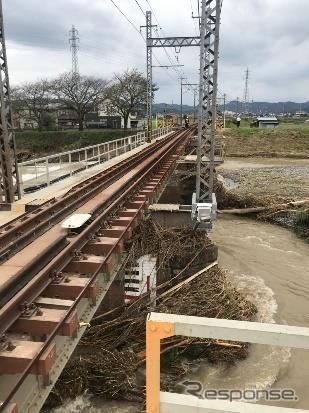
point(140, 7)
point(155, 57)
point(154, 14)
point(164, 34)
point(133, 25)
point(177, 71)
point(127, 19)
point(143, 37)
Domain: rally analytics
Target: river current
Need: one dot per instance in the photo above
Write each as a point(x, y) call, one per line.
point(270, 265)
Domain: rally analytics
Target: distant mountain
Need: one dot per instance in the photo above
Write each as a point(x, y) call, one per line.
point(268, 107)
point(171, 108)
point(234, 106)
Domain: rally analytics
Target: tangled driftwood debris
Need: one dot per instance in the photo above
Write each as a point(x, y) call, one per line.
point(230, 200)
point(111, 355)
point(274, 209)
point(270, 209)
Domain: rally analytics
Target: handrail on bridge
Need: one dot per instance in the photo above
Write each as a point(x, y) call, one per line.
point(160, 326)
point(52, 168)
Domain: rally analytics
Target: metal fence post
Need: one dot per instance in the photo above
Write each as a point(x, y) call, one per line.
point(47, 172)
point(70, 164)
point(21, 182)
point(86, 158)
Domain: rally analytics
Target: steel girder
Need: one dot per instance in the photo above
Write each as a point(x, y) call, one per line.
point(9, 182)
point(209, 54)
point(173, 41)
point(149, 75)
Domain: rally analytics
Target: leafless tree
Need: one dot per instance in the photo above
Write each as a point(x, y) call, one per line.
point(128, 93)
point(32, 100)
point(80, 94)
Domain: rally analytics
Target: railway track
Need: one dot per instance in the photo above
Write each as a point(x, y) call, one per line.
point(56, 293)
point(23, 230)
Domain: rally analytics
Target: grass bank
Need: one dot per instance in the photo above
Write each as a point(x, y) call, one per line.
point(289, 140)
point(35, 143)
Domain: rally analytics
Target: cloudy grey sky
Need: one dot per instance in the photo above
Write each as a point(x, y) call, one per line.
point(271, 37)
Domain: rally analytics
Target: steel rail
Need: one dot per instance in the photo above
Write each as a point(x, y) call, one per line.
point(118, 199)
point(9, 313)
point(13, 285)
point(17, 235)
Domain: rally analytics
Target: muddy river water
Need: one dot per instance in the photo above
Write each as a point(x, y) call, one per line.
point(270, 265)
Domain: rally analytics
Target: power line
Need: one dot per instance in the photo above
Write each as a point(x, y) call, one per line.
point(154, 14)
point(136, 29)
point(156, 30)
point(132, 24)
point(165, 50)
point(139, 32)
point(127, 19)
point(177, 72)
point(140, 7)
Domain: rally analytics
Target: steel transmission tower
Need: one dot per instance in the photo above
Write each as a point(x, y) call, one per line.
point(74, 42)
point(9, 182)
point(209, 54)
point(246, 92)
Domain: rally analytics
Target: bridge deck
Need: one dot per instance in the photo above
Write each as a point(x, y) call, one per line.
point(59, 188)
point(75, 279)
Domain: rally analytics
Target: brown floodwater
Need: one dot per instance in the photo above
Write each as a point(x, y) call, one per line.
point(270, 265)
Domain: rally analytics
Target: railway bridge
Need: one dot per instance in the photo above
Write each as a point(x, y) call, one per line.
point(59, 259)
point(63, 231)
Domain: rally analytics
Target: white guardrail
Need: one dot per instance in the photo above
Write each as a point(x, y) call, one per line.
point(42, 172)
point(161, 325)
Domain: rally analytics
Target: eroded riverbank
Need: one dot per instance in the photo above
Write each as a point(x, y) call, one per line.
point(280, 186)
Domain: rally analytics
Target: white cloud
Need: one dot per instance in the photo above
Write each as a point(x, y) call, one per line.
point(268, 36)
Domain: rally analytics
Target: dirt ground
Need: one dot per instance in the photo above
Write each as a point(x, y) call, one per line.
point(272, 162)
point(288, 179)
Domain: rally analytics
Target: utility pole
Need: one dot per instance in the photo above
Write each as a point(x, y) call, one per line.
point(9, 178)
point(149, 75)
point(237, 104)
point(181, 99)
point(151, 42)
point(149, 27)
point(246, 91)
point(74, 42)
point(224, 103)
point(194, 112)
